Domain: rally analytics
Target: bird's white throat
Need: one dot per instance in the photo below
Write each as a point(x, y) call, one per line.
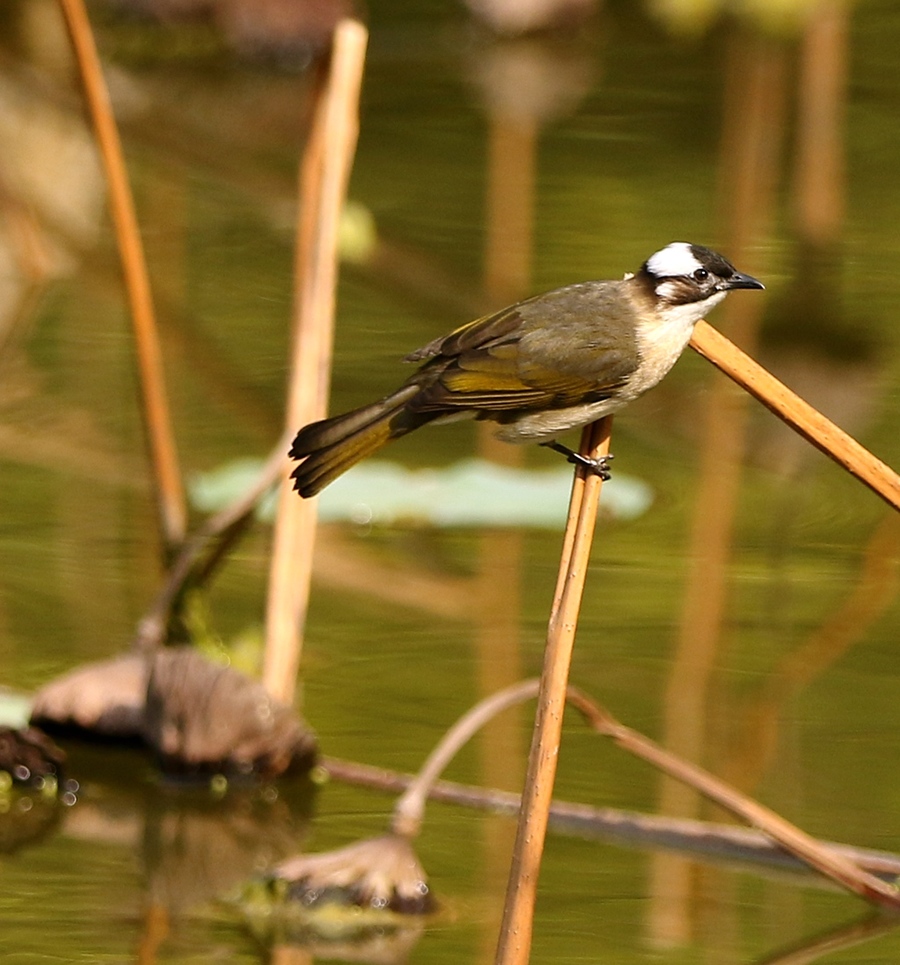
point(662, 340)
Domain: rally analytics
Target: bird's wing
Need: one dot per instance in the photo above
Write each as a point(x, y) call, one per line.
point(509, 361)
point(473, 335)
point(496, 379)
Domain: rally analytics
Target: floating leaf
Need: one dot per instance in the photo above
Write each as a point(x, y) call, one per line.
point(473, 492)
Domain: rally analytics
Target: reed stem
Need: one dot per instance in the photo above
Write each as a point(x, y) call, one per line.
point(324, 173)
point(155, 406)
point(799, 415)
point(516, 929)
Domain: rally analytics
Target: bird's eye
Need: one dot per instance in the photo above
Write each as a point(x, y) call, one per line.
point(701, 274)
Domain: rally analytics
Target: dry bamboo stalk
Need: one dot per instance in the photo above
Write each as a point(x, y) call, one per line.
point(157, 422)
point(324, 175)
point(518, 913)
point(799, 415)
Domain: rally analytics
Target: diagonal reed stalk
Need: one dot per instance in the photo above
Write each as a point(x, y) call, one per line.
point(324, 173)
point(839, 868)
point(514, 944)
point(799, 415)
point(155, 408)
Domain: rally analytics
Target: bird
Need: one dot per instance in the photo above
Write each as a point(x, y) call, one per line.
point(546, 364)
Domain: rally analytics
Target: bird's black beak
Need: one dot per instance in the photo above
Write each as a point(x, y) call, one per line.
point(738, 280)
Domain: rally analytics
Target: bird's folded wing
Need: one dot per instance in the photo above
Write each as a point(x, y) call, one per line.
point(492, 379)
point(473, 335)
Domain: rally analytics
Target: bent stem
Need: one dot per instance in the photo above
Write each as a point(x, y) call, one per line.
point(410, 806)
point(155, 410)
point(216, 533)
point(409, 809)
point(843, 865)
point(798, 414)
point(518, 912)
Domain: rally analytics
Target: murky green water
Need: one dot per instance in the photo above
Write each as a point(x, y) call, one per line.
point(756, 601)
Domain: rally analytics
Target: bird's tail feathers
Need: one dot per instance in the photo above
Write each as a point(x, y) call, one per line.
point(330, 447)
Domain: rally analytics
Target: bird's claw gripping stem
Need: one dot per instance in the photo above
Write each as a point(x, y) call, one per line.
point(600, 467)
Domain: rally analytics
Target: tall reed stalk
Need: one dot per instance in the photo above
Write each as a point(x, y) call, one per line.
point(324, 172)
point(155, 406)
point(518, 913)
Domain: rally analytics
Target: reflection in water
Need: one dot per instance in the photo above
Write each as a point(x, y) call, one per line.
point(513, 17)
point(380, 947)
point(751, 136)
point(757, 735)
point(818, 189)
point(509, 219)
point(51, 205)
point(810, 340)
point(194, 852)
point(280, 31)
point(838, 939)
point(194, 845)
point(51, 187)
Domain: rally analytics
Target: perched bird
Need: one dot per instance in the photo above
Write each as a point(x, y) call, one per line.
point(539, 367)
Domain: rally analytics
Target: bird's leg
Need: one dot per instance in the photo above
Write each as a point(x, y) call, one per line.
point(599, 467)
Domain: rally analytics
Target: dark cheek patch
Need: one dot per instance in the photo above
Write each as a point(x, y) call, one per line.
point(677, 291)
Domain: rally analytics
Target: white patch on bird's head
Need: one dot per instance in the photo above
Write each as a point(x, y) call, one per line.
point(668, 290)
point(673, 261)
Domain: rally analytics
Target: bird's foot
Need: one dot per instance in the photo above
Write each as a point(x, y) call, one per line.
point(599, 467)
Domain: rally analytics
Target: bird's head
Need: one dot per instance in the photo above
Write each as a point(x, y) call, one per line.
point(685, 274)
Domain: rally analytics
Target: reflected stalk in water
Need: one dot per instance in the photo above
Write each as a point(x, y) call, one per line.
point(752, 131)
point(511, 171)
point(838, 939)
point(757, 742)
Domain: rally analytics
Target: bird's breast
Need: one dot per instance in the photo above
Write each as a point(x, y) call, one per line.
point(660, 341)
